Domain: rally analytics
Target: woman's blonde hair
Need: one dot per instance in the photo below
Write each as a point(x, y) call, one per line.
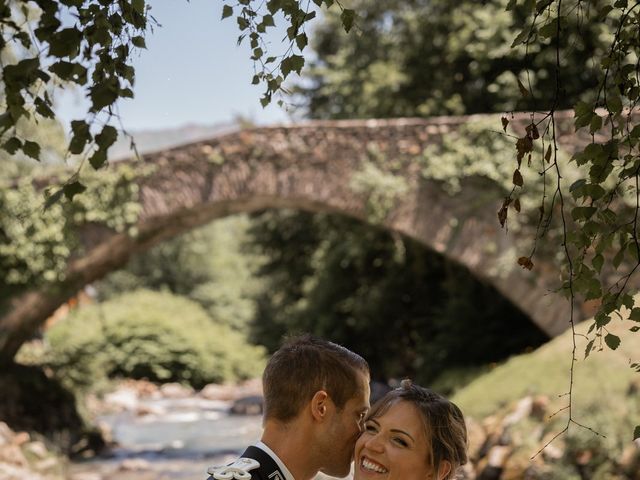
point(443, 421)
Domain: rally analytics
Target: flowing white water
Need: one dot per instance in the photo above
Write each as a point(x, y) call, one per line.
point(172, 439)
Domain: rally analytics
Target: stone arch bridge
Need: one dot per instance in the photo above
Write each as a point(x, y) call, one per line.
point(316, 166)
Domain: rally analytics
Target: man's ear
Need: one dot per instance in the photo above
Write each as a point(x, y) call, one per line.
point(444, 470)
point(320, 405)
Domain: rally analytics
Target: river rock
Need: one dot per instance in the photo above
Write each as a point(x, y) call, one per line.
point(630, 460)
point(21, 438)
point(476, 436)
point(251, 405)
point(5, 434)
point(123, 398)
point(86, 476)
point(134, 464)
point(250, 387)
point(37, 449)
point(12, 454)
point(175, 390)
point(521, 410)
point(539, 407)
point(47, 464)
point(219, 392)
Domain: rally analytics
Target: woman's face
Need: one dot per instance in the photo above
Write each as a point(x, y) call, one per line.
point(393, 446)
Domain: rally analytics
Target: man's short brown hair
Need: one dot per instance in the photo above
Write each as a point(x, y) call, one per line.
point(304, 365)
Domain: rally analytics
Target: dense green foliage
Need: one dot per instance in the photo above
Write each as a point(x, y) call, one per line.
point(152, 335)
point(602, 254)
point(92, 51)
point(205, 265)
point(35, 244)
point(404, 308)
point(437, 57)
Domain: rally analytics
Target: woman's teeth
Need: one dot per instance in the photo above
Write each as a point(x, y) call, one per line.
point(372, 467)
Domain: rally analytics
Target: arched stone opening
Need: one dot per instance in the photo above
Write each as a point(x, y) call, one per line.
point(316, 167)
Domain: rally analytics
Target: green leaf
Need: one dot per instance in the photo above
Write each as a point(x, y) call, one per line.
point(635, 314)
point(602, 319)
point(65, 43)
point(31, 149)
point(582, 213)
point(347, 17)
point(588, 349)
point(98, 159)
point(52, 198)
point(293, 63)
point(138, 41)
point(43, 109)
point(81, 136)
point(103, 94)
point(107, 137)
point(612, 341)
point(70, 71)
point(70, 190)
point(520, 38)
point(138, 6)
point(597, 262)
point(614, 102)
point(301, 41)
point(583, 120)
point(267, 21)
point(12, 145)
point(582, 108)
point(227, 11)
point(243, 24)
point(549, 30)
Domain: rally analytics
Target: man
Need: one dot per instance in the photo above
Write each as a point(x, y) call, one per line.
point(316, 395)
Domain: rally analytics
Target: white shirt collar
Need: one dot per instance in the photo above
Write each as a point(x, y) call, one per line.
point(282, 466)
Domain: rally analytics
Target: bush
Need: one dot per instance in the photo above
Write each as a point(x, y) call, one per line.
point(145, 334)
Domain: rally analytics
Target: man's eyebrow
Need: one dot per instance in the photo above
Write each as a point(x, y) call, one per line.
point(396, 430)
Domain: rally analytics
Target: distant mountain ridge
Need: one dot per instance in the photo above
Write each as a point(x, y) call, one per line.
point(154, 140)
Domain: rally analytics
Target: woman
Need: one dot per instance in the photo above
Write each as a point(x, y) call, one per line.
point(410, 434)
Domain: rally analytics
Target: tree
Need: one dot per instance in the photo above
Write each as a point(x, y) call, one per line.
point(555, 54)
point(93, 53)
point(351, 282)
point(437, 57)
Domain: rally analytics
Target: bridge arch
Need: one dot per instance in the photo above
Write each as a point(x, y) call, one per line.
point(319, 167)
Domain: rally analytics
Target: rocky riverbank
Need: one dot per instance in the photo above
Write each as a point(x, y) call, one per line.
point(171, 432)
point(508, 446)
point(24, 457)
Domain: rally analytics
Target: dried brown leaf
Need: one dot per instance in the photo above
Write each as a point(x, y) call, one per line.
point(525, 262)
point(516, 204)
point(505, 122)
point(502, 213)
point(523, 90)
point(517, 178)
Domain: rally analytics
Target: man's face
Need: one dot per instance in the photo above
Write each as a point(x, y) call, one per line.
point(343, 430)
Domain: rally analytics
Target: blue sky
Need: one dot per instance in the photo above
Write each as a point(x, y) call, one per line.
point(192, 72)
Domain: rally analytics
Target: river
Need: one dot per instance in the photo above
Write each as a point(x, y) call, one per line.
point(165, 439)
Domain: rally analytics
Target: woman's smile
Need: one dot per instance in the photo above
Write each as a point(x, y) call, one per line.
point(371, 466)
